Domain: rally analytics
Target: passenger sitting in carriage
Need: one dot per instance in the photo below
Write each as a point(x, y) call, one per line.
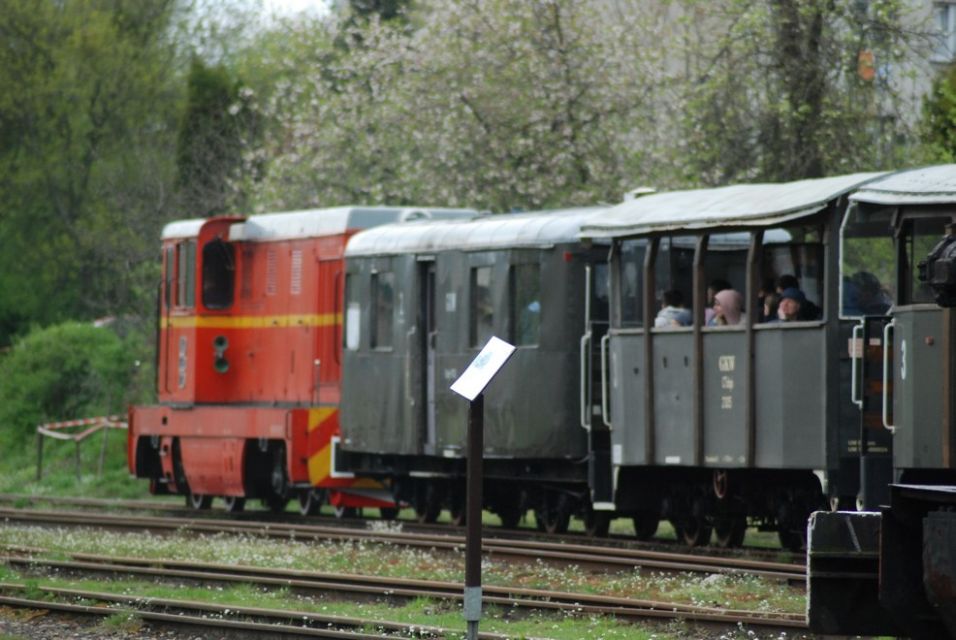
point(673, 313)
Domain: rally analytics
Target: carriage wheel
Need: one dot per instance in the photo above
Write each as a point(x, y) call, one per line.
point(729, 531)
point(694, 531)
point(427, 505)
point(388, 513)
point(310, 502)
point(554, 514)
point(597, 524)
point(234, 504)
point(197, 501)
point(510, 515)
point(645, 524)
point(458, 511)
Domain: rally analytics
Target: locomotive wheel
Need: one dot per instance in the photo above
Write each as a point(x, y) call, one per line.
point(346, 512)
point(388, 513)
point(729, 531)
point(234, 504)
point(597, 524)
point(197, 501)
point(275, 504)
point(310, 502)
point(645, 524)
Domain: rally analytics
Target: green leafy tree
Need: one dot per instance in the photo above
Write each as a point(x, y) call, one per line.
point(64, 372)
point(498, 104)
point(87, 160)
point(780, 90)
point(215, 123)
point(939, 118)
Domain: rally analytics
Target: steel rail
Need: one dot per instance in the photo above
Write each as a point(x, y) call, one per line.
point(564, 552)
point(202, 609)
point(531, 599)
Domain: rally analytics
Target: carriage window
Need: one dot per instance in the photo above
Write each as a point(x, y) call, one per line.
point(600, 293)
point(920, 235)
point(186, 273)
point(218, 271)
point(630, 275)
point(526, 304)
point(170, 272)
point(867, 259)
point(481, 325)
point(383, 309)
point(793, 254)
point(353, 314)
point(674, 282)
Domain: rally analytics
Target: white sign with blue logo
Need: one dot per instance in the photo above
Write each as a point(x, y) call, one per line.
point(483, 368)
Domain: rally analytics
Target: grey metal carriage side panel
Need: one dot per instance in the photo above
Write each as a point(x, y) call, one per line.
point(375, 413)
point(918, 388)
point(791, 398)
point(626, 389)
point(725, 408)
point(531, 408)
point(674, 398)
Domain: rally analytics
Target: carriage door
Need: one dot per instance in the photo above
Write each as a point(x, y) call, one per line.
point(593, 402)
point(429, 348)
point(876, 441)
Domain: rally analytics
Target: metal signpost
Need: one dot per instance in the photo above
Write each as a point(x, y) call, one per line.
point(470, 385)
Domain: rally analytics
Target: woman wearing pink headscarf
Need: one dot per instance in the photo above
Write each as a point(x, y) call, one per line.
point(728, 307)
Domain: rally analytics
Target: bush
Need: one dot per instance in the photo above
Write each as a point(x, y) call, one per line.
point(63, 372)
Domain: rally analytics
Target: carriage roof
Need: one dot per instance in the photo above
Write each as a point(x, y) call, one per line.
point(927, 185)
point(733, 206)
point(311, 223)
point(502, 231)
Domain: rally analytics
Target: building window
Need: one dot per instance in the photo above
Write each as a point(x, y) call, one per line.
point(525, 304)
point(944, 14)
point(383, 295)
point(481, 325)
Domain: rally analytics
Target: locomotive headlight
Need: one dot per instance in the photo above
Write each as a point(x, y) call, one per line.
point(219, 346)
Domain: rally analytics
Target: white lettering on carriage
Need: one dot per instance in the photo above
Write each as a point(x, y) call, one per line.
point(727, 363)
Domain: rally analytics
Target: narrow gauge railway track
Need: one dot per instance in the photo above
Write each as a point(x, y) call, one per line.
point(583, 555)
point(226, 618)
point(357, 586)
point(290, 517)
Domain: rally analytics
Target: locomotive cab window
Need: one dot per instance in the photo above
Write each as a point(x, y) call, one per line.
point(218, 274)
point(525, 304)
point(867, 256)
point(919, 237)
point(383, 310)
point(186, 274)
point(482, 317)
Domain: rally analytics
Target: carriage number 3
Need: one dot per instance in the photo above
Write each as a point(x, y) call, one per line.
point(902, 359)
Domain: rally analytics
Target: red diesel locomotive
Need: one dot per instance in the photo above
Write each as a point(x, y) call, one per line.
point(248, 361)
